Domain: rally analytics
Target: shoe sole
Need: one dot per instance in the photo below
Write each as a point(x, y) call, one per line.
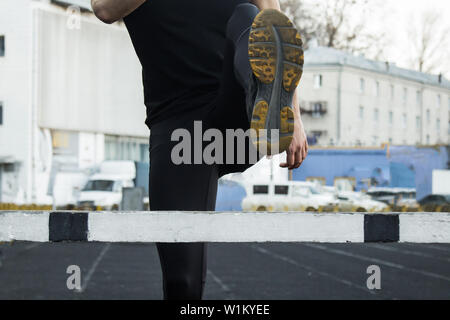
point(276, 58)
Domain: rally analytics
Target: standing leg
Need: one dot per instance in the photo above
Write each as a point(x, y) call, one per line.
point(184, 270)
point(180, 187)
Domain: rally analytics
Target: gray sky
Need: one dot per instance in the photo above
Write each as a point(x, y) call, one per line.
point(394, 18)
point(396, 21)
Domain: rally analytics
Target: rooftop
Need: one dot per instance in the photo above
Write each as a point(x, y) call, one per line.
point(321, 56)
point(84, 4)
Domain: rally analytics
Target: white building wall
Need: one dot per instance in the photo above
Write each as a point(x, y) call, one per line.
point(328, 92)
point(86, 81)
point(15, 93)
point(366, 130)
point(90, 77)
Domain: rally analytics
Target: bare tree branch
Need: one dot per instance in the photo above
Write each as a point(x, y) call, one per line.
point(339, 24)
point(427, 36)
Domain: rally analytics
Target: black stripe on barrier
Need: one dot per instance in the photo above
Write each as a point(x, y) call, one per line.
point(68, 226)
point(381, 228)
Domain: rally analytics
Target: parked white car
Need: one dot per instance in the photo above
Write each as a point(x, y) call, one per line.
point(285, 196)
point(358, 201)
point(395, 196)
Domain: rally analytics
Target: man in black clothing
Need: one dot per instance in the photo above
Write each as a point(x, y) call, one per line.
point(231, 64)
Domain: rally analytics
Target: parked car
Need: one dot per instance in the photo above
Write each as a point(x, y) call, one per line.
point(436, 200)
point(358, 201)
point(104, 188)
point(394, 196)
point(285, 196)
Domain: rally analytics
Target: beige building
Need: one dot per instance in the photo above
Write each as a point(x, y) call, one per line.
point(348, 100)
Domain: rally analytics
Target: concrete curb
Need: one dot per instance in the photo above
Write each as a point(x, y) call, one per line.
point(177, 226)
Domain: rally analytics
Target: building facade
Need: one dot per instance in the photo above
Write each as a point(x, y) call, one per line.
point(70, 95)
point(351, 101)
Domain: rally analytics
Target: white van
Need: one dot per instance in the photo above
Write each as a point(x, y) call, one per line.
point(104, 188)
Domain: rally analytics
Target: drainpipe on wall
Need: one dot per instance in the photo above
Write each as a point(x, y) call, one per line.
point(338, 109)
point(29, 146)
point(34, 137)
point(421, 115)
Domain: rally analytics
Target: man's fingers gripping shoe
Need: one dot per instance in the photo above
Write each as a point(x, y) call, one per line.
point(276, 58)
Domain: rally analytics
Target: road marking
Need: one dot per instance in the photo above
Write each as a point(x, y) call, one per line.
point(4, 257)
point(221, 284)
point(404, 251)
point(309, 269)
point(430, 246)
point(379, 261)
point(93, 267)
point(33, 245)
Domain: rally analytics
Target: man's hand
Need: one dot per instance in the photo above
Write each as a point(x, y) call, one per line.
point(298, 148)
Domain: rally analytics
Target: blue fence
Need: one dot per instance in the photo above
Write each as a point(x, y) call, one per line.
point(421, 162)
point(229, 196)
point(393, 166)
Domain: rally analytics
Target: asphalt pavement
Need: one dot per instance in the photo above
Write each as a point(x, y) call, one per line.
point(235, 271)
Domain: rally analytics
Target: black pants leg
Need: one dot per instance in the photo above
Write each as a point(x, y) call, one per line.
point(185, 187)
point(193, 187)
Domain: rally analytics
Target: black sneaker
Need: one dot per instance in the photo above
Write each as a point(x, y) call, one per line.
point(276, 58)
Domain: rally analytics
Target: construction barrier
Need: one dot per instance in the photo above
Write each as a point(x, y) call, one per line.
point(13, 206)
point(329, 208)
point(161, 226)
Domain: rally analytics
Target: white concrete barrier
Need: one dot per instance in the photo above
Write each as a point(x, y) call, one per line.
point(159, 226)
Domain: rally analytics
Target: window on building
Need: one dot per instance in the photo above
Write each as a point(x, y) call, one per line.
point(404, 120)
point(417, 122)
point(377, 89)
point(405, 95)
point(391, 117)
point(318, 81)
point(428, 115)
point(144, 151)
point(428, 139)
point(126, 148)
point(1, 113)
point(439, 100)
point(375, 114)
point(361, 112)
point(418, 97)
point(362, 85)
point(2, 46)
point(438, 124)
point(318, 108)
point(392, 92)
point(374, 140)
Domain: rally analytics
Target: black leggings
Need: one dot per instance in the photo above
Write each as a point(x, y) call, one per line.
point(190, 187)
